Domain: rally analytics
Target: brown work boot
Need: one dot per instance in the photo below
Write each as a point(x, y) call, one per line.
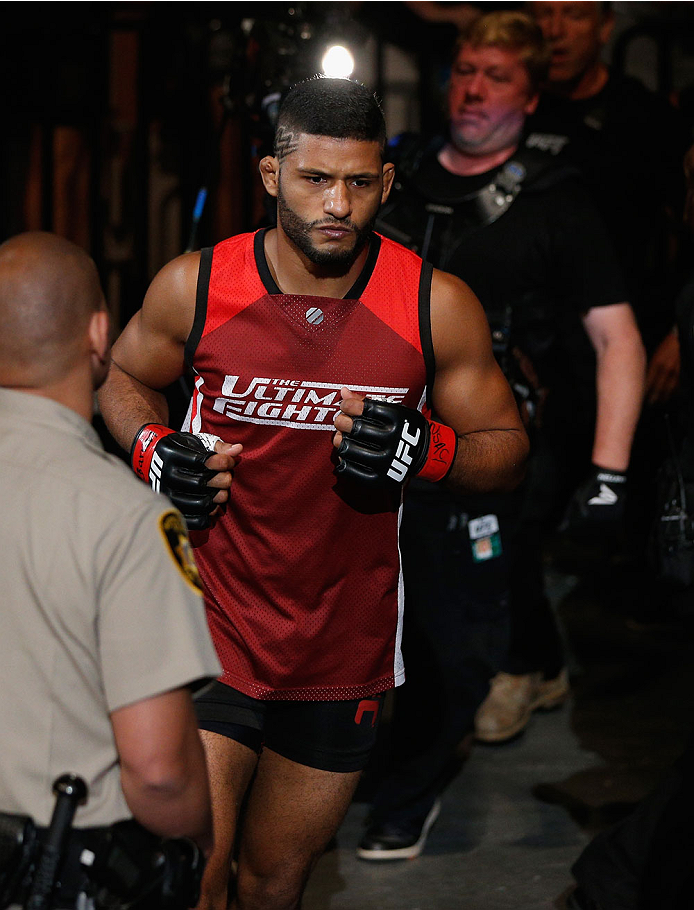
point(512, 700)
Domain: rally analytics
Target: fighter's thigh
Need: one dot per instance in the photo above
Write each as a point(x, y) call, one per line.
point(230, 767)
point(292, 814)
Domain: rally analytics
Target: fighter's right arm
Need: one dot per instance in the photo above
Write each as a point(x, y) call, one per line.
point(148, 356)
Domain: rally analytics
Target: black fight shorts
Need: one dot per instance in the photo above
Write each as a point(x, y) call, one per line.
point(328, 735)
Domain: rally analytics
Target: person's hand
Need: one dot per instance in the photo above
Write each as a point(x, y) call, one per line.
point(382, 444)
point(222, 462)
point(193, 470)
point(596, 509)
point(663, 372)
point(351, 405)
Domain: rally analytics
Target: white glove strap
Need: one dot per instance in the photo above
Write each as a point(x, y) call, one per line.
point(208, 440)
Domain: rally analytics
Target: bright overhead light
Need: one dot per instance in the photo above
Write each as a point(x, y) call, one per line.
point(338, 63)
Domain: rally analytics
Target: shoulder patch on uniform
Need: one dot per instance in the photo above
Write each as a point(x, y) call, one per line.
point(175, 534)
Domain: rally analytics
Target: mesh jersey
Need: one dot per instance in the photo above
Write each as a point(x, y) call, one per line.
point(302, 574)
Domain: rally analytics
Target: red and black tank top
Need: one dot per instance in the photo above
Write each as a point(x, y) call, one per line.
point(302, 574)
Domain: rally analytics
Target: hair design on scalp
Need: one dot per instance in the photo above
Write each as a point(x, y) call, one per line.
point(322, 106)
point(512, 31)
point(285, 142)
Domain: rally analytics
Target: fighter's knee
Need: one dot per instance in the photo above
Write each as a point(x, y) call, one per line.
point(268, 892)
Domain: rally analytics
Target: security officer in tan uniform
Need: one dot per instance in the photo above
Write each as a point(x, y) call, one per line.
point(103, 630)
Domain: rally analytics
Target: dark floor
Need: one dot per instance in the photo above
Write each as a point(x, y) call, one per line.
point(519, 814)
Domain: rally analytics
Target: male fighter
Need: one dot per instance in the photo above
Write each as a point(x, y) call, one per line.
point(291, 332)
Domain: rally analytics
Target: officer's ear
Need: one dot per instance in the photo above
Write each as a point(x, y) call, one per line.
point(269, 169)
point(100, 343)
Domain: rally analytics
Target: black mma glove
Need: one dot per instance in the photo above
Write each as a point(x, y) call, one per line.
point(597, 506)
point(390, 443)
point(174, 464)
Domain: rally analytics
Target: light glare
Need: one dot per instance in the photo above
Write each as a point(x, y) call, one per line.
point(338, 63)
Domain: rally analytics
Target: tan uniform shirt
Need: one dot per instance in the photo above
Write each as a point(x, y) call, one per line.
point(98, 607)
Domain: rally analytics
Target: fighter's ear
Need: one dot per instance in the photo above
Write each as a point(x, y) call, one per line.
point(388, 175)
point(269, 169)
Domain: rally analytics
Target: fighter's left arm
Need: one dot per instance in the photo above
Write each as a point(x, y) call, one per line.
point(470, 393)
point(475, 441)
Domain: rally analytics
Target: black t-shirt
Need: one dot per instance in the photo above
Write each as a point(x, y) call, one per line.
point(628, 144)
point(547, 257)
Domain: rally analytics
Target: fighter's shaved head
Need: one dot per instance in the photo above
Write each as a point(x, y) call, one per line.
point(49, 289)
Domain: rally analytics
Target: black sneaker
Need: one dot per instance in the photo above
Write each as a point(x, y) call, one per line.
point(388, 841)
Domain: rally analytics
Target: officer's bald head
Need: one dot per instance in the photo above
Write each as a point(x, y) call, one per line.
point(49, 290)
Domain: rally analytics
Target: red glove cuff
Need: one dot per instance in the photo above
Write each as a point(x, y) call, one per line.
point(143, 448)
point(443, 444)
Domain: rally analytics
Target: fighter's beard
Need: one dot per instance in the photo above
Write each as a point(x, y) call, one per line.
point(299, 233)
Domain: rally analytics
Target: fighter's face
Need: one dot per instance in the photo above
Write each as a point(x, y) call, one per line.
point(575, 31)
point(489, 97)
point(328, 194)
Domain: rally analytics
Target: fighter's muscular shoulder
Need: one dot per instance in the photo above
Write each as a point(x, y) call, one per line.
point(458, 323)
point(151, 346)
point(469, 391)
point(169, 305)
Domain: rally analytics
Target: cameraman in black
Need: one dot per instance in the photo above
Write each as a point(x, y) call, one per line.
point(518, 229)
point(104, 632)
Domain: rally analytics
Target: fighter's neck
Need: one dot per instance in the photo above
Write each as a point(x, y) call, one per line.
point(294, 273)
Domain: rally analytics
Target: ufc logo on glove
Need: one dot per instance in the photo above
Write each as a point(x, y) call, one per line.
point(403, 457)
point(389, 443)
